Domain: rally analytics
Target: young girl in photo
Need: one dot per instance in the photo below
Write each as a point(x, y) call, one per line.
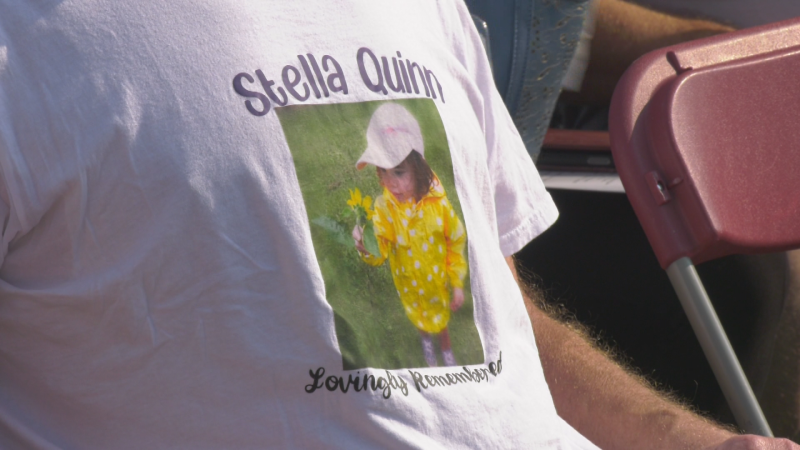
point(416, 228)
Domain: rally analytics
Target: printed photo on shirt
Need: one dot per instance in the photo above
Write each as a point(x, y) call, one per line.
point(388, 232)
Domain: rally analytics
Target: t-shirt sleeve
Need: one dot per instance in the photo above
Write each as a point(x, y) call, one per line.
point(524, 209)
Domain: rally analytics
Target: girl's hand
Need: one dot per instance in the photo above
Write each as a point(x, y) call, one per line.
point(358, 239)
point(458, 299)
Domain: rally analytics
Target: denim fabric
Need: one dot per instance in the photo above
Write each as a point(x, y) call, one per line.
point(532, 43)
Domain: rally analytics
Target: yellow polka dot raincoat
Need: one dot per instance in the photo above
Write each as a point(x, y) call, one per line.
point(424, 243)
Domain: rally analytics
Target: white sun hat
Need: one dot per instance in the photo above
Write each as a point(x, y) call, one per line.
point(391, 135)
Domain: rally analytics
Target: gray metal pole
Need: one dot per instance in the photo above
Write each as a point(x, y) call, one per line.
point(717, 348)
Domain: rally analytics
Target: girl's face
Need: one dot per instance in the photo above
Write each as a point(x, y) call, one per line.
point(399, 181)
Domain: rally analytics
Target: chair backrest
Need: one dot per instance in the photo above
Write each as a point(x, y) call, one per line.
point(706, 139)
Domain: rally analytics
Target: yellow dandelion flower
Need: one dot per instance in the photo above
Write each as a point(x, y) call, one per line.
point(355, 198)
point(367, 205)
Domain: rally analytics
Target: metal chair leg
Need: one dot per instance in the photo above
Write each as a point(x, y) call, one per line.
point(717, 348)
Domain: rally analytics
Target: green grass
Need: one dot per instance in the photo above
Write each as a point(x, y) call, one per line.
point(371, 327)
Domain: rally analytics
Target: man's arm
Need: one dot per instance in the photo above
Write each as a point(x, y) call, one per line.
point(612, 407)
point(625, 31)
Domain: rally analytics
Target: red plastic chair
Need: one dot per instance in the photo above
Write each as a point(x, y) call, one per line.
point(706, 139)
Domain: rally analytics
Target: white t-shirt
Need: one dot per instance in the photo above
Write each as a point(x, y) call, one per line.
point(176, 181)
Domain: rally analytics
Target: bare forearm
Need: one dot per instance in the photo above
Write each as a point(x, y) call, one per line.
point(624, 32)
point(610, 406)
